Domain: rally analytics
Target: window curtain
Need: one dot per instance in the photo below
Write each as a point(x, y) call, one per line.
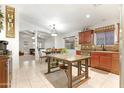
point(109, 38)
point(100, 38)
point(106, 38)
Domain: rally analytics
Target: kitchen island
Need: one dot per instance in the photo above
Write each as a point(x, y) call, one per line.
point(69, 60)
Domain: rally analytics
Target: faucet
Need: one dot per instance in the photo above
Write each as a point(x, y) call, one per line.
point(103, 47)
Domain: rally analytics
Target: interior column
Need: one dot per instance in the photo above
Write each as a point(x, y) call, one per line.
point(122, 47)
point(36, 47)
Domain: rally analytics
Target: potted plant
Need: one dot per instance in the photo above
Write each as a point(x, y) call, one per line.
point(1, 20)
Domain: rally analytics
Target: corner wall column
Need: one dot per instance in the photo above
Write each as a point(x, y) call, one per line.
point(122, 47)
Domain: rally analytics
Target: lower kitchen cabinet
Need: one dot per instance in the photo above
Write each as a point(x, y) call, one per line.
point(95, 61)
point(115, 63)
point(5, 73)
point(105, 61)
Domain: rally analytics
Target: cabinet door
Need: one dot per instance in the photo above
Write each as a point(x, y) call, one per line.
point(95, 61)
point(105, 62)
point(81, 37)
point(87, 37)
point(115, 63)
point(3, 73)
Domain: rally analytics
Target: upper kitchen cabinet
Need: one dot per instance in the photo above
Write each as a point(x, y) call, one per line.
point(85, 37)
point(81, 37)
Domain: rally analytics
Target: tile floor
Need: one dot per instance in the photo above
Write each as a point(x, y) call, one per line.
point(31, 75)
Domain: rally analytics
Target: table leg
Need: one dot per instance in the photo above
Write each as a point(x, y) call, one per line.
point(63, 63)
point(69, 75)
point(79, 68)
point(86, 68)
point(46, 59)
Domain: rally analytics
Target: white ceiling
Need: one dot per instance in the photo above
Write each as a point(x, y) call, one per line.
point(28, 34)
point(67, 17)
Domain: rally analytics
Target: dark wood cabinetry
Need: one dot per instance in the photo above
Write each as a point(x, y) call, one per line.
point(115, 63)
point(94, 61)
point(105, 61)
point(85, 37)
point(4, 72)
point(81, 38)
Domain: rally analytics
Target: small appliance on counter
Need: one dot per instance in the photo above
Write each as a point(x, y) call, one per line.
point(3, 47)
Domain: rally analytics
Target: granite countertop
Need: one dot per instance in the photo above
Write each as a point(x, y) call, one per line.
point(5, 56)
point(71, 58)
point(106, 51)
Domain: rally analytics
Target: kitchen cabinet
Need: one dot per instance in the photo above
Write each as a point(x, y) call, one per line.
point(94, 61)
point(85, 37)
point(5, 79)
point(105, 61)
point(78, 52)
point(81, 37)
point(118, 32)
point(115, 63)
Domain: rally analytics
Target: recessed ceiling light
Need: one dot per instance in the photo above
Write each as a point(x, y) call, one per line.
point(33, 37)
point(87, 15)
point(97, 5)
point(54, 34)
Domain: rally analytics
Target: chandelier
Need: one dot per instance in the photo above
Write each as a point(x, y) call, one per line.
point(53, 30)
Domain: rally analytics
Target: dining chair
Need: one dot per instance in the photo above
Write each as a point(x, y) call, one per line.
point(42, 55)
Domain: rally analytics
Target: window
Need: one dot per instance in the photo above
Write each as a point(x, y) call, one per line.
point(100, 38)
point(70, 42)
point(109, 38)
point(106, 38)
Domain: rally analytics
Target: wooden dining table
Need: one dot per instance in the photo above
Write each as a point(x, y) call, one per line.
point(71, 60)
